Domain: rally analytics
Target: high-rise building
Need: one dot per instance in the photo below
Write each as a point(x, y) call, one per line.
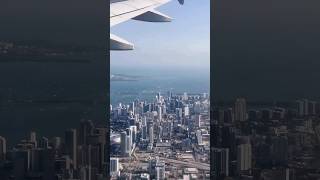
point(306, 107)
point(114, 166)
point(312, 107)
point(160, 170)
point(132, 107)
point(134, 134)
point(129, 134)
point(44, 143)
point(221, 162)
point(160, 113)
point(71, 145)
point(228, 136)
point(300, 107)
point(185, 96)
point(244, 157)
point(128, 145)
point(280, 150)
point(144, 121)
point(33, 138)
point(186, 111)
point(179, 112)
point(151, 135)
point(160, 130)
point(158, 96)
point(3, 148)
point(86, 129)
point(56, 142)
point(221, 116)
point(123, 141)
point(144, 132)
point(198, 121)
point(240, 110)
point(164, 109)
point(199, 137)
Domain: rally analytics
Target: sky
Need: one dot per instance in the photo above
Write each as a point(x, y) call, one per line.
point(183, 43)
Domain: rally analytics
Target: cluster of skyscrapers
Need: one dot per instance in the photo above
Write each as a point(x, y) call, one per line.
point(269, 141)
point(81, 155)
point(167, 138)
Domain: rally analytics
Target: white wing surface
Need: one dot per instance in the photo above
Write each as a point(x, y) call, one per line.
point(142, 10)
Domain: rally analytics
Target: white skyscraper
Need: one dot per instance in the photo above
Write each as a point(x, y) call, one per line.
point(160, 113)
point(186, 111)
point(134, 134)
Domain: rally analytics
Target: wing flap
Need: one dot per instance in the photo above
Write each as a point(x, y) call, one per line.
point(124, 10)
point(153, 16)
point(117, 43)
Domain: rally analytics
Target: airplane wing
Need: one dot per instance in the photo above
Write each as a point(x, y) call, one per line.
point(142, 10)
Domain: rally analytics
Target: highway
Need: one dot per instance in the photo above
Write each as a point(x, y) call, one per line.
point(200, 166)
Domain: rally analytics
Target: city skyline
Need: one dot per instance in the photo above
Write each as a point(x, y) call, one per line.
point(150, 139)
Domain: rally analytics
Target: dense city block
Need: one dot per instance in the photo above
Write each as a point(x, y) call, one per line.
point(267, 141)
point(80, 155)
point(167, 138)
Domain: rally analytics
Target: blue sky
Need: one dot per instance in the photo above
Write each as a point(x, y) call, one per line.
point(183, 43)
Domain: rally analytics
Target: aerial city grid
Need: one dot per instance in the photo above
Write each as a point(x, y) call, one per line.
point(167, 138)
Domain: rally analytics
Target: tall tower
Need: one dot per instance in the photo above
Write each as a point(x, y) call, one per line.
point(244, 157)
point(240, 109)
point(221, 162)
point(71, 145)
point(114, 166)
point(160, 113)
point(123, 141)
point(86, 129)
point(199, 137)
point(132, 107)
point(151, 135)
point(3, 148)
point(133, 134)
point(33, 138)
